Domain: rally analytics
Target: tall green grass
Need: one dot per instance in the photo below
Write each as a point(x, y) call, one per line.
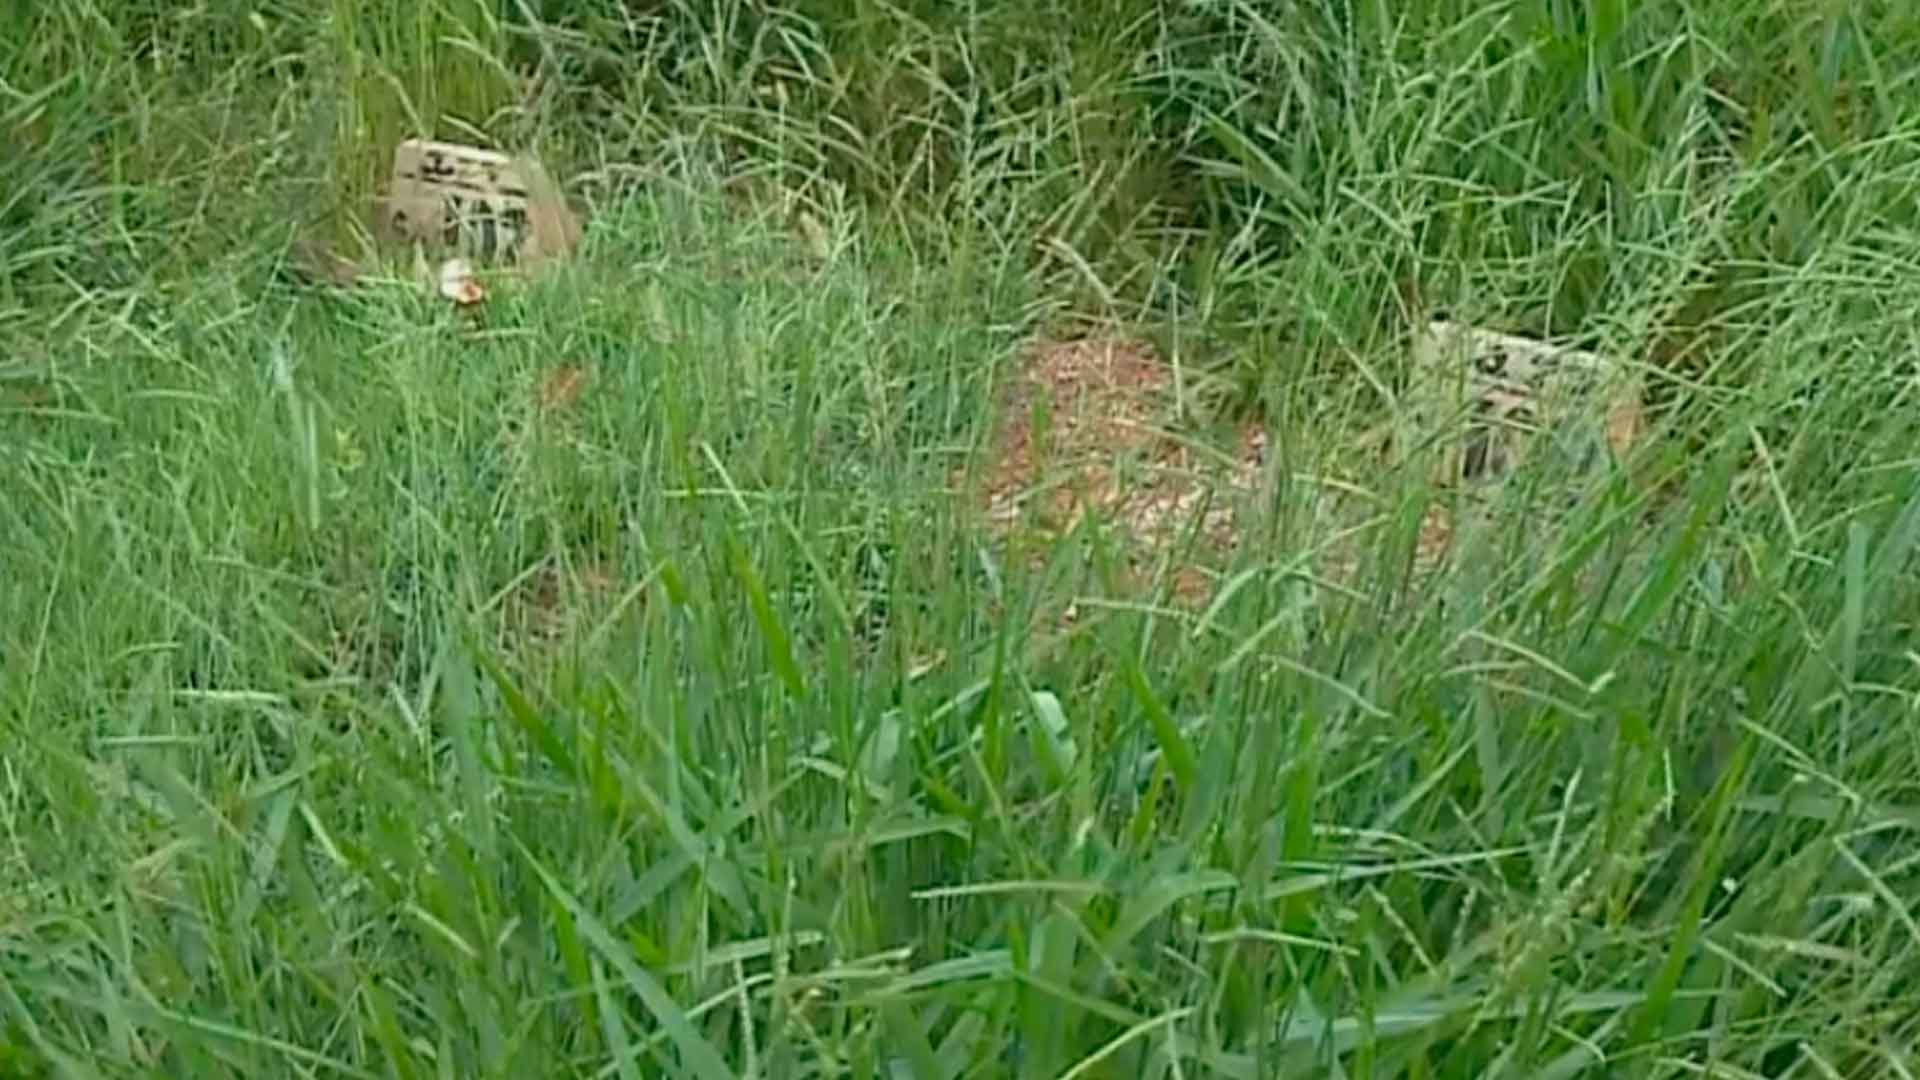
point(360, 716)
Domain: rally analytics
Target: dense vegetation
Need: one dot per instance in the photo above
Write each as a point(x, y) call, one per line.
point(362, 714)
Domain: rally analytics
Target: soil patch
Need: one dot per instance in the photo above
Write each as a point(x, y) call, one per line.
point(1088, 427)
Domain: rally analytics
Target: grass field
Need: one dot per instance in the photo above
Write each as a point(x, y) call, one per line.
point(612, 681)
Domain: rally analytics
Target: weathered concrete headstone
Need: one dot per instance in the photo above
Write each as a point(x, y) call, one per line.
point(1507, 397)
point(477, 203)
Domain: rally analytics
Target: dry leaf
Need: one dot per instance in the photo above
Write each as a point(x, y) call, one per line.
point(562, 387)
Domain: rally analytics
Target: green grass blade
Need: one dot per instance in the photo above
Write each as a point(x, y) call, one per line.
point(701, 1057)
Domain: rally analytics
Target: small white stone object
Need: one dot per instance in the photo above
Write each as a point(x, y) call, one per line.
point(458, 285)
